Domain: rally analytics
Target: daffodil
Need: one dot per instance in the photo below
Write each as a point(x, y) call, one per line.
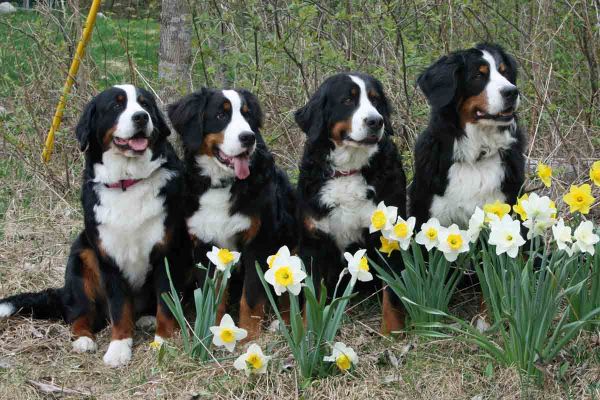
point(286, 274)
point(388, 246)
point(476, 224)
point(343, 356)
point(540, 213)
point(383, 218)
point(156, 344)
point(358, 266)
point(401, 232)
point(226, 334)
point(283, 251)
point(253, 361)
point(518, 208)
point(585, 238)
point(579, 198)
point(595, 173)
point(505, 234)
point(429, 234)
point(497, 209)
point(562, 236)
point(223, 259)
point(544, 172)
point(452, 242)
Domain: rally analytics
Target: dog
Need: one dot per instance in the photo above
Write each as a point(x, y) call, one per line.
point(131, 196)
point(237, 198)
point(472, 150)
point(349, 165)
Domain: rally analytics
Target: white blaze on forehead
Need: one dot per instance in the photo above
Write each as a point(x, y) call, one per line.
point(125, 126)
point(231, 142)
point(496, 84)
point(364, 110)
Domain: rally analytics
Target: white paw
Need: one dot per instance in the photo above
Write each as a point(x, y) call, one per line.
point(84, 344)
point(147, 323)
point(118, 353)
point(6, 310)
point(481, 325)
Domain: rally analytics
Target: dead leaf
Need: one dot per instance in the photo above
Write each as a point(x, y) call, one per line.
point(52, 388)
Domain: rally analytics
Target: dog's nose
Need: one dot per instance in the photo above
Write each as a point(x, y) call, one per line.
point(510, 94)
point(374, 122)
point(247, 139)
point(140, 118)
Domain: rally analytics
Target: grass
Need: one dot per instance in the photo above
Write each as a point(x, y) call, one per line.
point(40, 215)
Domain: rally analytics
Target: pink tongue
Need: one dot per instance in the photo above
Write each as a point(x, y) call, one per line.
point(138, 144)
point(241, 168)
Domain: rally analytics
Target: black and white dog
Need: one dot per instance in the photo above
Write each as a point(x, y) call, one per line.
point(236, 197)
point(349, 165)
point(472, 151)
point(131, 195)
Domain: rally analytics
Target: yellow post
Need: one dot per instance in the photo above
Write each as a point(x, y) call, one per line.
point(85, 38)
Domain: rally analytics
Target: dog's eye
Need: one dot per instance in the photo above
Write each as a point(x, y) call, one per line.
point(221, 116)
point(348, 101)
point(117, 106)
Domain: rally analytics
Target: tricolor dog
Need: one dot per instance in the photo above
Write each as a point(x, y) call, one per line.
point(349, 165)
point(472, 151)
point(237, 198)
point(131, 195)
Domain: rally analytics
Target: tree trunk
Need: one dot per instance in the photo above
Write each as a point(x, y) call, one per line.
point(175, 51)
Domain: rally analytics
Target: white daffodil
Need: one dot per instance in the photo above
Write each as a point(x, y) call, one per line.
point(283, 252)
point(540, 213)
point(343, 356)
point(223, 259)
point(226, 334)
point(562, 236)
point(383, 218)
point(401, 232)
point(285, 274)
point(476, 224)
point(429, 234)
point(452, 242)
point(358, 266)
point(505, 234)
point(253, 361)
point(585, 238)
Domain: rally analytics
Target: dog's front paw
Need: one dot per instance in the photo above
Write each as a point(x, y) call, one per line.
point(84, 344)
point(118, 353)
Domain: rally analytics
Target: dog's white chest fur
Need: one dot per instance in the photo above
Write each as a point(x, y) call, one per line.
point(131, 222)
point(212, 222)
point(351, 209)
point(475, 178)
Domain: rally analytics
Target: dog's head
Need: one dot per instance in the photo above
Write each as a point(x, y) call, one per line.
point(220, 127)
point(348, 109)
point(478, 83)
point(123, 119)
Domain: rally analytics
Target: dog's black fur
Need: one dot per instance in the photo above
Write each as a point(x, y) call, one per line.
point(449, 85)
point(265, 196)
point(326, 119)
point(97, 289)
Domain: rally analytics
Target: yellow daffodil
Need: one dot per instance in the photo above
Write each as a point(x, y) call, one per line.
point(428, 236)
point(388, 246)
point(223, 259)
point(579, 198)
point(226, 334)
point(518, 208)
point(497, 208)
point(383, 217)
point(544, 172)
point(252, 361)
point(595, 173)
point(452, 242)
point(358, 266)
point(286, 273)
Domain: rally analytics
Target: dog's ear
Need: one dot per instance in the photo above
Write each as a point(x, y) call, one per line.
point(310, 117)
point(255, 112)
point(439, 82)
point(187, 116)
point(158, 119)
point(85, 126)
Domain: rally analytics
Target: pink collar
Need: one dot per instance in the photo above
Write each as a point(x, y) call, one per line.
point(338, 174)
point(122, 184)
